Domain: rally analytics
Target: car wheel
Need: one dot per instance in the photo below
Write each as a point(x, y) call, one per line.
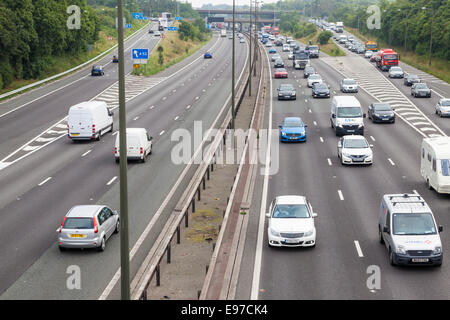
point(144, 158)
point(391, 257)
point(99, 136)
point(112, 127)
point(117, 229)
point(102, 245)
point(61, 248)
point(380, 236)
point(117, 160)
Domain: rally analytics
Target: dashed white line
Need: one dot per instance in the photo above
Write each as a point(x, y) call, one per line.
point(188, 106)
point(176, 118)
point(111, 181)
point(373, 139)
point(315, 123)
point(341, 196)
point(40, 184)
point(151, 107)
point(86, 153)
point(115, 132)
point(136, 118)
point(321, 139)
point(358, 249)
point(329, 162)
point(161, 133)
point(392, 162)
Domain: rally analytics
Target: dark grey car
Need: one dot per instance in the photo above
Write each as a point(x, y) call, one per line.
point(320, 90)
point(278, 63)
point(381, 112)
point(308, 71)
point(286, 91)
point(410, 79)
point(420, 90)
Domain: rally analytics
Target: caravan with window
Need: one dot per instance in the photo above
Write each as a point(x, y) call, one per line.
point(435, 163)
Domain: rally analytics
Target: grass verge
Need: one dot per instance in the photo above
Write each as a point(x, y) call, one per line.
point(439, 68)
point(330, 48)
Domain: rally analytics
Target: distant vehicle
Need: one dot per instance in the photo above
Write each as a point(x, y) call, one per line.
point(151, 31)
point(97, 70)
point(386, 59)
point(408, 229)
point(278, 63)
point(349, 85)
point(157, 34)
point(230, 36)
point(301, 60)
point(410, 79)
point(290, 56)
point(354, 150)
point(368, 54)
point(241, 40)
point(139, 145)
point(343, 39)
point(280, 73)
point(346, 115)
point(308, 71)
point(160, 28)
point(87, 226)
point(115, 59)
point(396, 72)
point(291, 222)
point(313, 51)
point(443, 107)
point(313, 79)
point(320, 90)
point(268, 44)
point(339, 27)
point(371, 46)
point(381, 112)
point(223, 33)
point(286, 48)
point(289, 39)
point(292, 129)
point(420, 90)
point(435, 163)
point(272, 50)
point(286, 91)
point(207, 55)
point(89, 120)
point(275, 57)
point(360, 49)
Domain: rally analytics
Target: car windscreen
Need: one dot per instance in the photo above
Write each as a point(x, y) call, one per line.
point(445, 103)
point(78, 223)
point(349, 82)
point(293, 123)
point(286, 87)
point(413, 76)
point(413, 224)
point(280, 70)
point(349, 112)
point(290, 211)
point(313, 47)
point(355, 143)
point(445, 167)
point(421, 86)
point(382, 107)
point(314, 77)
point(396, 69)
point(390, 57)
point(320, 86)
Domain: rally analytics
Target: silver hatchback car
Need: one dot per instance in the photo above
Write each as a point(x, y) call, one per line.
point(87, 226)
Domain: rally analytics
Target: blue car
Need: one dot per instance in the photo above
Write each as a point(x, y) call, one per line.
point(208, 55)
point(292, 129)
point(272, 50)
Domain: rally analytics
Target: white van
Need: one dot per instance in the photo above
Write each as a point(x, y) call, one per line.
point(343, 39)
point(407, 227)
point(347, 115)
point(139, 144)
point(89, 120)
point(435, 163)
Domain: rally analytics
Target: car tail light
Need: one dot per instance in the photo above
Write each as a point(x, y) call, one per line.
point(93, 128)
point(62, 224)
point(115, 150)
point(95, 225)
point(142, 150)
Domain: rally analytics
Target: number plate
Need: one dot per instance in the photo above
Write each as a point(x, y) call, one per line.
point(419, 260)
point(75, 134)
point(290, 241)
point(77, 235)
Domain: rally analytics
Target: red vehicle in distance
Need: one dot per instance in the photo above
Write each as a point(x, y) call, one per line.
point(387, 58)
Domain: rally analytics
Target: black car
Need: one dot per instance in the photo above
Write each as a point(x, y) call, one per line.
point(278, 63)
point(286, 91)
point(308, 71)
point(410, 79)
point(97, 70)
point(115, 59)
point(420, 90)
point(381, 112)
point(151, 31)
point(320, 90)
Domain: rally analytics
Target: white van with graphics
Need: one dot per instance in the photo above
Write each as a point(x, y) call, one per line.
point(409, 231)
point(435, 163)
point(89, 120)
point(347, 115)
point(139, 144)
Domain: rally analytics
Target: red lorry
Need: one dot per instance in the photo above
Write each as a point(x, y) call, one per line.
point(387, 58)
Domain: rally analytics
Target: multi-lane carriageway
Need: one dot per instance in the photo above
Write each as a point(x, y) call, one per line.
point(346, 198)
point(45, 174)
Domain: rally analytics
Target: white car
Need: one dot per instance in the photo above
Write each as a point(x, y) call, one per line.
point(291, 222)
point(286, 47)
point(268, 44)
point(241, 40)
point(314, 78)
point(443, 108)
point(368, 54)
point(275, 57)
point(290, 56)
point(354, 149)
point(396, 72)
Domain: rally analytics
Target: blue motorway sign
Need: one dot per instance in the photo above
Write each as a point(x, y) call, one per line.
point(137, 15)
point(172, 28)
point(145, 18)
point(128, 26)
point(139, 53)
point(178, 18)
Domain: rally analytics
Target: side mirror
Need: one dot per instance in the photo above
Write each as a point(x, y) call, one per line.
point(279, 126)
point(268, 214)
point(386, 229)
point(371, 145)
point(58, 230)
point(339, 144)
point(314, 215)
point(115, 212)
point(306, 125)
point(364, 115)
point(440, 228)
point(333, 116)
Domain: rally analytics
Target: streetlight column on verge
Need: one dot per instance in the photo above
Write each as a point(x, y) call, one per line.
point(232, 72)
point(431, 32)
point(250, 53)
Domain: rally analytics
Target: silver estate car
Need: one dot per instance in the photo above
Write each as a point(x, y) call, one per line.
point(87, 226)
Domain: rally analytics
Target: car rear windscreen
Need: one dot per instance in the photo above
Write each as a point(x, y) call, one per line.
point(78, 223)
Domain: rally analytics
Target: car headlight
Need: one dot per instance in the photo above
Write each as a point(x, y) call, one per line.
point(346, 155)
point(376, 114)
point(308, 233)
point(293, 94)
point(280, 94)
point(401, 249)
point(437, 250)
point(360, 125)
point(275, 233)
point(339, 125)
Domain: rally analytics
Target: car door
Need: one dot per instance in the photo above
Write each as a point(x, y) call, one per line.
point(387, 233)
point(109, 221)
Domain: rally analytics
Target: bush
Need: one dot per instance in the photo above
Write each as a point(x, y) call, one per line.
point(324, 37)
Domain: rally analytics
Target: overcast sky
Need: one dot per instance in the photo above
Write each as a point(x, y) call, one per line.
point(199, 3)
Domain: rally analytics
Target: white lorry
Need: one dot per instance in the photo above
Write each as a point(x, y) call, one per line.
point(223, 33)
point(339, 27)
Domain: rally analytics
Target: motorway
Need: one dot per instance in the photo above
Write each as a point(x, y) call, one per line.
point(346, 198)
point(39, 187)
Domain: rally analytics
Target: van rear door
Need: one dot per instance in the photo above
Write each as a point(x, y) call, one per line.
point(80, 124)
point(134, 146)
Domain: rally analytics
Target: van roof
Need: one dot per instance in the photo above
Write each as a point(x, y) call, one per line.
point(87, 105)
point(348, 101)
point(440, 145)
point(406, 203)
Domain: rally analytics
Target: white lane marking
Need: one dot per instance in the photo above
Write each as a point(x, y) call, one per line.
point(373, 139)
point(315, 123)
point(329, 162)
point(40, 184)
point(152, 107)
point(188, 107)
point(111, 181)
point(309, 110)
point(115, 132)
point(161, 133)
point(136, 118)
point(262, 214)
point(415, 191)
point(164, 98)
point(196, 98)
point(341, 196)
point(87, 152)
point(392, 162)
point(321, 139)
point(176, 118)
point(358, 249)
